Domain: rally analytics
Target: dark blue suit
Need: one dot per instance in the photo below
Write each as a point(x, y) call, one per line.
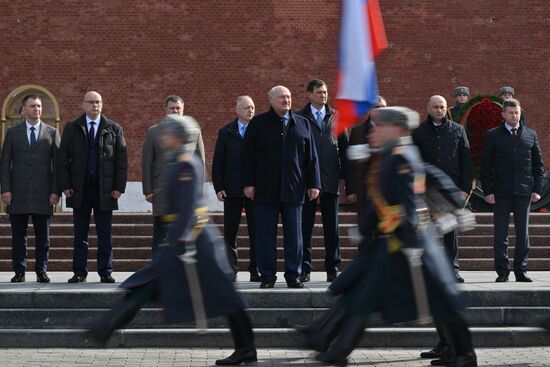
point(281, 163)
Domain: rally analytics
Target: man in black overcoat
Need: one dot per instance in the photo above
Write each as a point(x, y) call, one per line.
point(93, 169)
point(226, 177)
point(512, 175)
point(279, 167)
point(443, 143)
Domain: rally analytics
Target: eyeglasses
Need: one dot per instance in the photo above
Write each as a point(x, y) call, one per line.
point(93, 102)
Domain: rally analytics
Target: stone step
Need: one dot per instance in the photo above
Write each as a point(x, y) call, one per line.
point(387, 337)
point(278, 317)
point(146, 229)
point(480, 293)
point(145, 241)
point(484, 264)
point(144, 252)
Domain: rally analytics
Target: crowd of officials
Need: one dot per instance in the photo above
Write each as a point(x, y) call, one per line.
point(278, 163)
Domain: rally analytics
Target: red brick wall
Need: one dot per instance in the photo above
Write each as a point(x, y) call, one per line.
point(137, 52)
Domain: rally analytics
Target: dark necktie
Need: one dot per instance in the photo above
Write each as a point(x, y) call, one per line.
point(514, 130)
point(33, 137)
point(91, 133)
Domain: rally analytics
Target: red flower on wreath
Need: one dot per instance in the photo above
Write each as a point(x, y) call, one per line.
point(483, 116)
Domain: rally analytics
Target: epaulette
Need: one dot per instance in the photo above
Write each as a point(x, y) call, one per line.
point(184, 157)
point(404, 169)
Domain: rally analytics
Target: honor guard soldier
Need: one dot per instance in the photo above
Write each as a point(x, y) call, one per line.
point(398, 269)
point(462, 94)
point(190, 274)
point(509, 93)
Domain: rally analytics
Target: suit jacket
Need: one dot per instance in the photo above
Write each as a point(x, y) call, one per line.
point(330, 150)
point(153, 166)
point(512, 166)
point(112, 157)
point(29, 174)
point(280, 165)
point(226, 166)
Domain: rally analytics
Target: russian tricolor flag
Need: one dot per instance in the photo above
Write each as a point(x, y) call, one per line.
point(362, 38)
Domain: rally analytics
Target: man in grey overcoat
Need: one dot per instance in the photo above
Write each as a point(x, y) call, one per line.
point(152, 168)
point(29, 185)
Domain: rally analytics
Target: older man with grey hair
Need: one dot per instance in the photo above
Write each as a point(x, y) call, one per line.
point(279, 168)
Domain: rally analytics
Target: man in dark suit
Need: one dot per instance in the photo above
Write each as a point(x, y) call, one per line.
point(443, 143)
point(512, 175)
point(356, 171)
point(93, 167)
point(279, 165)
point(153, 165)
point(226, 177)
point(330, 151)
point(29, 185)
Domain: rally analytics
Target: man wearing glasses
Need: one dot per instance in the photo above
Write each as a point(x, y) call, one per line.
point(93, 167)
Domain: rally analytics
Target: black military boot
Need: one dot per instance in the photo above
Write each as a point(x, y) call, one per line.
point(345, 342)
point(121, 314)
point(320, 333)
point(243, 338)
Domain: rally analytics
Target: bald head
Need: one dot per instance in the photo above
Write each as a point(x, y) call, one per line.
point(92, 104)
point(280, 99)
point(437, 108)
point(245, 109)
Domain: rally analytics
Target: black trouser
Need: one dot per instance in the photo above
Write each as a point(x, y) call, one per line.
point(232, 210)
point(520, 206)
point(329, 213)
point(103, 221)
point(160, 229)
point(19, 225)
point(450, 242)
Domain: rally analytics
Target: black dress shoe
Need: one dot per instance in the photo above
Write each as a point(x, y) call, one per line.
point(502, 279)
point(77, 279)
point(523, 278)
point(18, 278)
point(243, 355)
point(267, 284)
point(459, 279)
point(331, 277)
point(42, 277)
point(255, 277)
point(305, 277)
point(294, 283)
point(435, 352)
point(468, 360)
point(107, 279)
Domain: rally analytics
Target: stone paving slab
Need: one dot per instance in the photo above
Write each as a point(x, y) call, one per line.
point(144, 357)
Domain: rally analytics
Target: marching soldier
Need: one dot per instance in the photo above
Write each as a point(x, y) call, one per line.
point(398, 269)
point(193, 261)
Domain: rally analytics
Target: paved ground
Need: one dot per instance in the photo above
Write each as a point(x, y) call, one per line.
point(515, 357)
point(475, 280)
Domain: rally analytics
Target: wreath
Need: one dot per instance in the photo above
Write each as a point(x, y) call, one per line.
point(478, 115)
